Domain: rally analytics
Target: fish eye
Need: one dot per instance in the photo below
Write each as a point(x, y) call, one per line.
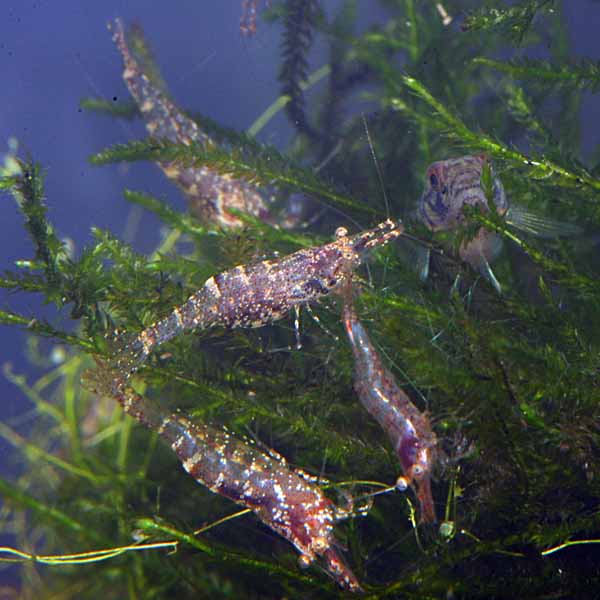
point(444, 189)
point(433, 180)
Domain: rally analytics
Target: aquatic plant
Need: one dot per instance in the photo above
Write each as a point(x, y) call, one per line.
point(510, 380)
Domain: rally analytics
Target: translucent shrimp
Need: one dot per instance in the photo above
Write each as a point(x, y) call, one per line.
point(261, 293)
point(287, 500)
point(211, 195)
point(407, 428)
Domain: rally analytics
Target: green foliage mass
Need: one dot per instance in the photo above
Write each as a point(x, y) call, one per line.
point(511, 382)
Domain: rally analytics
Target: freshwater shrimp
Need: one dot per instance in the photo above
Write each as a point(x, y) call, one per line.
point(248, 20)
point(259, 294)
point(287, 500)
point(210, 195)
point(452, 184)
point(407, 428)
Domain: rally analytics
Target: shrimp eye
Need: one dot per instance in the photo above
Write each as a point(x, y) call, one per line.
point(433, 180)
point(417, 471)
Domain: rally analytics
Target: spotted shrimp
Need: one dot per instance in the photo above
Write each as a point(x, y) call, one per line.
point(287, 500)
point(211, 196)
point(407, 427)
point(262, 293)
point(248, 20)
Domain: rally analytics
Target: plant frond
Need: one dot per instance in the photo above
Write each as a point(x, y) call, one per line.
point(582, 75)
point(267, 167)
point(514, 21)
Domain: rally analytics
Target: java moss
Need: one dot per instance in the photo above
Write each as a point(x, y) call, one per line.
point(511, 381)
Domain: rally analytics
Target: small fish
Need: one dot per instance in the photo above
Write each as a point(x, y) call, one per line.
point(452, 184)
point(210, 195)
point(287, 500)
point(261, 293)
point(408, 429)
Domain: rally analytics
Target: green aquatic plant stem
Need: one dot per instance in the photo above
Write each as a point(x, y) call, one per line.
point(456, 556)
point(182, 222)
point(515, 20)
point(43, 406)
point(536, 167)
point(124, 438)
point(414, 53)
point(281, 102)
point(569, 544)
point(23, 283)
point(10, 492)
point(44, 329)
point(72, 399)
point(268, 167)
point(152, 527)
point(123, 110)
point(36, 453)
point(28, 190)
point(187, 224)
point(584, 75)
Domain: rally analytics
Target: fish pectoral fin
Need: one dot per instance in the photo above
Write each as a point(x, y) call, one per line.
point(538, 225)
point(486, 271)
point(485, 246)
point(483, 266)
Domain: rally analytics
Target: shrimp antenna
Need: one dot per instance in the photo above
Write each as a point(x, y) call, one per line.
point(377, 165)
point(386, 490)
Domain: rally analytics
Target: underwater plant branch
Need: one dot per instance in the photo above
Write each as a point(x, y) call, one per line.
point(11, 494)
point(179, 221)
point(71, 395)
point(64, 280)
point(281, 102)
point(79, 558)
point(299, 22)
point(584, 75)
point(153, 527)
point(24, 283)
point(44, 329)
point(515, 20)
point(270, 231)
point(505, 547)
point(28, 190)
point(538, 167)
point(267, 166)
point(41, 405)
point(121, 110)
point(91, 556)
point(568, 544)
point(414, 52)
point(35, 452)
